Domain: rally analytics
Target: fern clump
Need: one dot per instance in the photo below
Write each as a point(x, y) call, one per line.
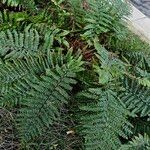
point(73, 76)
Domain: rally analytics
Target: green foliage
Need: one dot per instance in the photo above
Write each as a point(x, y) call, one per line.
point(43, 101)
point(29, 4)
point(130, 42)
point(48, 79)
point(73, 76)
point(104, 16)
point(136, 97)
point(138, 143)
point(111, 68)
point(11, 20)
point(102, 120)
point(17, 45)
point(141, 125)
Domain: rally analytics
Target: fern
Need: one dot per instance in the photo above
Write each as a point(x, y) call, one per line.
point(141, 125)
point(104, 16)
point(138, 143)
point(41, 88)
point(139, 59)
point(11, 2)
point(29, 4)
point(109, 68)
point(129, 42)
point(17, 45)
point(99, 16)
point(41, 72)
point(44, 100)
point(11, 21)
point(103, 116)
point(14, 76)
point(136, 97)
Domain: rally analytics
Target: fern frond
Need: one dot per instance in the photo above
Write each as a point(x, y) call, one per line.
point(14, 44)
point(144, 82)
point(139, 59)
point(136, 97)
point(139, 142)
point(141, 125)
point(45, 98)
point(103, 116)
point(28, 4)
point(18, 45)
point(11, 2)
point(11, 20)
point(128, 43)
point(99, 16)
point(109, 68)
point(104, 16)
point(15, 74)
point(40, 85)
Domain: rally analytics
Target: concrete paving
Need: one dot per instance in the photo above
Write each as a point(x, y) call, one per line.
point(139, 22)
point(143, 6)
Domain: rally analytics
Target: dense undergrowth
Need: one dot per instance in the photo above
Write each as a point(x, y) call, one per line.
point(73, 77)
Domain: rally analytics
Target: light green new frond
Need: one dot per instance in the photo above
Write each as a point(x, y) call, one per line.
point(139, 142)
point(143, 77)
point(103, 116)
point(136, 97)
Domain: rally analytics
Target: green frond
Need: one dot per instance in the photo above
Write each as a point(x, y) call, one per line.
point(104, 16)
point(141, 125)
point(136, 97)
point(17, 45)
point(16, 74)
point(14, 44)
point(108, 68)
point(144, 82)
point(44, 100)
point(28, 4)
point(130, 42)
point(139, 142)
point(103, 116)
point(11, 2)
point(99, 16)
point(46, 85)
point(41, 85)
point(11, 20)
point(139, 59)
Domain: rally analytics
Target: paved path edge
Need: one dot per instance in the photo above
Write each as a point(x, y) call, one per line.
point(139, 24)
